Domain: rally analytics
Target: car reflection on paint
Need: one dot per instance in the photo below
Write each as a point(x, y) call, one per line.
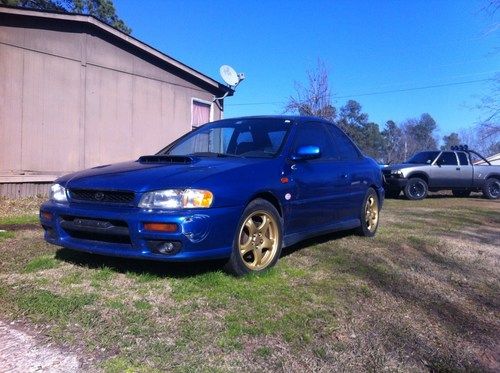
point(236, 189)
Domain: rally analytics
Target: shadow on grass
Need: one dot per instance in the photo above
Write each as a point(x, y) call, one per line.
point(452, 315)
point(171, 269)
point(138, 266)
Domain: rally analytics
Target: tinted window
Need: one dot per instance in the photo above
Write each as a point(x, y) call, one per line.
point(423, 158)
point(346, 148)
point(447, 159)
point(464, 161)
point(317, 135)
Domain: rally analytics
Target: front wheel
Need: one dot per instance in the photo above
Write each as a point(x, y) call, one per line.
point(491, 188)
point(369, 214)
point(416, 189)
point(258, 239)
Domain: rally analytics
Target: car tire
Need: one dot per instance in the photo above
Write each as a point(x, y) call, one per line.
point(370, 213)
point(460, 193)
point(258, 239)
point(416, 189)
point(491, 188)
point(392, 193)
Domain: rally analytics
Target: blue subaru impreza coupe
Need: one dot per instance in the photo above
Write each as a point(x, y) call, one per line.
point(236, 189)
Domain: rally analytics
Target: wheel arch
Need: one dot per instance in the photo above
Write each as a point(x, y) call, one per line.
point(269, 197)
point(421, 175)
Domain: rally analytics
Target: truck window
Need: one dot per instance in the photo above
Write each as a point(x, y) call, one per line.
point(464, 161)
point(447, 159)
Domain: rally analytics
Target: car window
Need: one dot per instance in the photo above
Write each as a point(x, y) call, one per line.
point(464, 161)
point(315, 134)
point(447, 159)
point(252, 137)
point(423, 158)
point(347, 150)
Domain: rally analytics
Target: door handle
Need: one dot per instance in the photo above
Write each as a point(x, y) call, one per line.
point(458, 168)
point(344, 176)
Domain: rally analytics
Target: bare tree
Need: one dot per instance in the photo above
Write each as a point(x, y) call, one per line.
point(315, 98)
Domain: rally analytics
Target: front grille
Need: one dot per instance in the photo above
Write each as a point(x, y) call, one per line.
point(91, 229)
point(386, 172)
point(102, 196)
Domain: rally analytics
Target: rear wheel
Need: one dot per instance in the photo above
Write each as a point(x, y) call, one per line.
point(460, 192)
point(416, 189)
point(258, 239)
point(491, 188)
point(369, 214)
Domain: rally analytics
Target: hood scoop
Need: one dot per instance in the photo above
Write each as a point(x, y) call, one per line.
point(169, 159)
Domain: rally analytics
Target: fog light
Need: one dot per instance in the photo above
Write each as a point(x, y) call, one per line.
point(160, 227)
point(46, 215)
point(164, 247)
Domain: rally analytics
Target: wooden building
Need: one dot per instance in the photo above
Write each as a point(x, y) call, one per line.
point(76, 93)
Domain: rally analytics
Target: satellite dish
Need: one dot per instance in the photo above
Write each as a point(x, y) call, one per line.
point(229, 75)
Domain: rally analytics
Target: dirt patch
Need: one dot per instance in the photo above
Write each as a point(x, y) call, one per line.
point(24, 352)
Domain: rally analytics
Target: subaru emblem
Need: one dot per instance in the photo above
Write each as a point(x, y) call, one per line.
point(99, 196)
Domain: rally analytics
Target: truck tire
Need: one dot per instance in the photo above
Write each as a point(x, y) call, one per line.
point(460, 193)
point(491, 188)
point(416, 189)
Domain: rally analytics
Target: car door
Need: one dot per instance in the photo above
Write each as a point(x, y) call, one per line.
point(465, 171)
point(320, 185)
point(445, 172)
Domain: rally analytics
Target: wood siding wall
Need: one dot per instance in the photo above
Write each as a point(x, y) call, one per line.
point(72, 98)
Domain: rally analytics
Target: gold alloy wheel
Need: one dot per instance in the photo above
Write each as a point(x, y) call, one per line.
point(371, 214)
point(258, 240)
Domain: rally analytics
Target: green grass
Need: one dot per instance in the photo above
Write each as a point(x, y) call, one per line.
point(40, 264)
point(334, 303)
point(5, 235)
point(20, 219)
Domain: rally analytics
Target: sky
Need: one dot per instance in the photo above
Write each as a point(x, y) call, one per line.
point(387, 55)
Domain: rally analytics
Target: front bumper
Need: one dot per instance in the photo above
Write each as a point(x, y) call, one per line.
point(391, 183)
point(119, 231)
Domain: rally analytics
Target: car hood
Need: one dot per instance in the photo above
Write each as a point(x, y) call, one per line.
point(400, 166)
point(146, 176)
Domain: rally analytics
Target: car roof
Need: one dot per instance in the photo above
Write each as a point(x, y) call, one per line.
point(294, 118)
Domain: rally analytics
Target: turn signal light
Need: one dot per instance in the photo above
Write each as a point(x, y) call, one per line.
point(160, 227)
point(46, 215)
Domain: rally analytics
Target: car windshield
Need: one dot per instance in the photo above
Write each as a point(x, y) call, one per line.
point(423, 158)
point(252, 137)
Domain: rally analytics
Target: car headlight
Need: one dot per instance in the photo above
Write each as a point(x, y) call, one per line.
point(397, 173)
point(177, 199)
point(57, 193)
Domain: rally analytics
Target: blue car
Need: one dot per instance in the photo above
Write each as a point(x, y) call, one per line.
point(236, 189)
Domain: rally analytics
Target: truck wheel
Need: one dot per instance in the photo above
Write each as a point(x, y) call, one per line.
point(416, 189)
point(491, 188)
point(392, 193)
point(258, 239)
point(369, 214)
point(460, 193)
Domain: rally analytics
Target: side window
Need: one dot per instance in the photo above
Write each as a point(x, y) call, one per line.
point(447, 159)
point(464, 161)
point(347, 149)
point(317, 135)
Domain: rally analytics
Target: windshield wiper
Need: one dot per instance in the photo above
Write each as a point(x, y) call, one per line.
point(213, 154)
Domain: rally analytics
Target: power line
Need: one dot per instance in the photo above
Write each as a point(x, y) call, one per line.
point(373, 93)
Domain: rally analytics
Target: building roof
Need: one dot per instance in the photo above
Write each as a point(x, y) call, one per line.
point(213, 85)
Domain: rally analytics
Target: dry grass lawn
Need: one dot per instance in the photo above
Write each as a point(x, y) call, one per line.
point(422, 295)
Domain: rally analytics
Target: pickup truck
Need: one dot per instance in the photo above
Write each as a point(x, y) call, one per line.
point(442, 170)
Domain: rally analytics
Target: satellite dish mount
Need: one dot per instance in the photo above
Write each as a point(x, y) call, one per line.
point(231, 78)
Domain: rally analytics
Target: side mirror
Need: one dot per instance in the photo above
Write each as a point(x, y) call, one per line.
point(307, 152)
